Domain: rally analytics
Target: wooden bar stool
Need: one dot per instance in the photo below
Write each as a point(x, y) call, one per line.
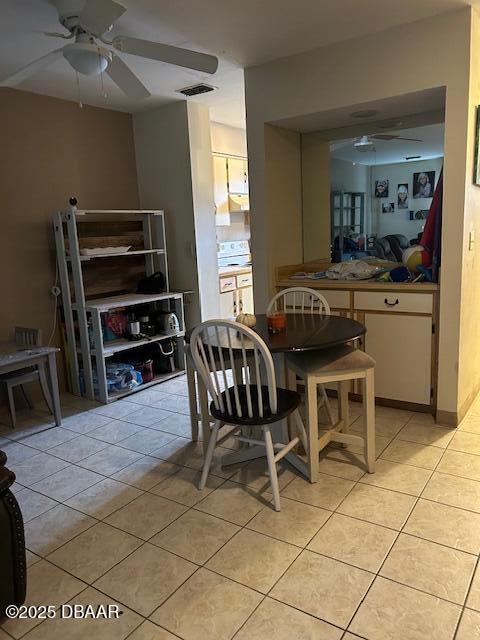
point(303, 300)
point(340, 364)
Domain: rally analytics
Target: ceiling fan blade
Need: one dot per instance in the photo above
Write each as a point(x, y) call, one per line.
point(27, 71)
point(99, 15)
point(126, 79)
point(166, 53)
point(409, 139)
point(386, 136)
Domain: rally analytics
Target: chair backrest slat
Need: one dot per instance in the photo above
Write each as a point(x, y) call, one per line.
point(311, 301)
point(210, 343)
point(28, 337)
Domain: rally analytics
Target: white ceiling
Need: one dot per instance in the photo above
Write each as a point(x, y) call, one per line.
point(389, 152)
point(242, 34)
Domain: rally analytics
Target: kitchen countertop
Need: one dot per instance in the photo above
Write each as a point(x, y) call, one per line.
point(233, 271)
point(284, 279)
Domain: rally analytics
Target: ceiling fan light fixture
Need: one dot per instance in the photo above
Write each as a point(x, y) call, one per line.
point(363, 144)
point(87, 58)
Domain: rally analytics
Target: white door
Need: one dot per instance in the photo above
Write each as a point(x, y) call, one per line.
point(401, 346)
point(237, 175)
point(228, 305)
point(246, 294)
point(220, 184)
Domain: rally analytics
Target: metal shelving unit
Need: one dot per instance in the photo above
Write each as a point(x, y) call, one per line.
point(87, 351)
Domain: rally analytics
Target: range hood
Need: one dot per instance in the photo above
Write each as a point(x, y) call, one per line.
point(238, 203)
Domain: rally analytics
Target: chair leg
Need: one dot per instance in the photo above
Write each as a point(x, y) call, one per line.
point(369, 419)
point(42, 376)
point(343, 406)
point(192, 399)
point(204, 413)
point(300, 428)
point(323, 401)
point(26, 396)
point(212, 441)
point(312, 426)
point(11, 406)
point(272, 467)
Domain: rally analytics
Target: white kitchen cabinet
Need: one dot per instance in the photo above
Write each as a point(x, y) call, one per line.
point(220, 189)
point(228, 305)
point(234, 302)
point(401, 346)
point(245, 299)
point(237, 175)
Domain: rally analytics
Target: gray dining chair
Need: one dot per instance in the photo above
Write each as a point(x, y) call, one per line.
point(26, 338)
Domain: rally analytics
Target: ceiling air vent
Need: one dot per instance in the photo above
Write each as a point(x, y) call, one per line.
point(196, 90)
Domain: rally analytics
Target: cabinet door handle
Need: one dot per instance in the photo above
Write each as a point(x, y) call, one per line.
point(391, 304)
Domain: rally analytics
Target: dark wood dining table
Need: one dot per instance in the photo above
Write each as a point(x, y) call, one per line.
point(303, 332)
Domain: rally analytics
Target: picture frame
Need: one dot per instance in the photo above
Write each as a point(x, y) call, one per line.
point(381, 188)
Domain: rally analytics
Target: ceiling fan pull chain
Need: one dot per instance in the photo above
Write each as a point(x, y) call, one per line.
point(80, 103)
point(102, 85)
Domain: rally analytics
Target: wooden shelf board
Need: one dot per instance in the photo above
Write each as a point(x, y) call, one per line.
point(120, 254)
point(127, 300)
point(115, 346)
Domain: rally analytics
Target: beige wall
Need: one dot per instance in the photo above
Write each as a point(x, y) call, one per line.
point(363, 70)
point(51, 149)
point(469, 361)
point(175, 173)
point(316, 197)
point(231, 141)
point(284, 201)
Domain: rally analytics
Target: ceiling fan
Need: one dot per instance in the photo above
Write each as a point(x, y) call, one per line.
point(365, 143)
point(88, 21)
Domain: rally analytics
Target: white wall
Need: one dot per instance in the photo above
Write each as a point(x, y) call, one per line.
point(405, 59)
point(399, 221)
point(173, 152)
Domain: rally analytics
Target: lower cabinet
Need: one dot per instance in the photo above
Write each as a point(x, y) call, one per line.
point(234, 302)
point(228, 305)
point(401, 345)
point(245, 299)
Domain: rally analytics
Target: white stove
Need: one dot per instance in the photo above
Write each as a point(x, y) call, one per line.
point(235, 253)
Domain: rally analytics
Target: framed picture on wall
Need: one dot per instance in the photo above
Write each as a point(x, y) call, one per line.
point(388, 207)
point(381, 188)
point(423, 184)
point(402, 196)
point(476, 161)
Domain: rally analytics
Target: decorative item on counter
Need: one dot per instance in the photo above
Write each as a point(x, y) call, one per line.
point(152, 284)
point(248, 319)
point(145, 368)
point(400, 274)
point(276, 321)
point(352, 270)
point(167, 322)
point(133, 330)
point(104, 251)
point(121, 376)
point(416, 256)
point(114, 325)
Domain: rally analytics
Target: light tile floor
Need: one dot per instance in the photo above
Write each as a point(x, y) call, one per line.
point(112, 515)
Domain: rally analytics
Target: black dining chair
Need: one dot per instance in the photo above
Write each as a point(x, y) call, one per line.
point(254, 401)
